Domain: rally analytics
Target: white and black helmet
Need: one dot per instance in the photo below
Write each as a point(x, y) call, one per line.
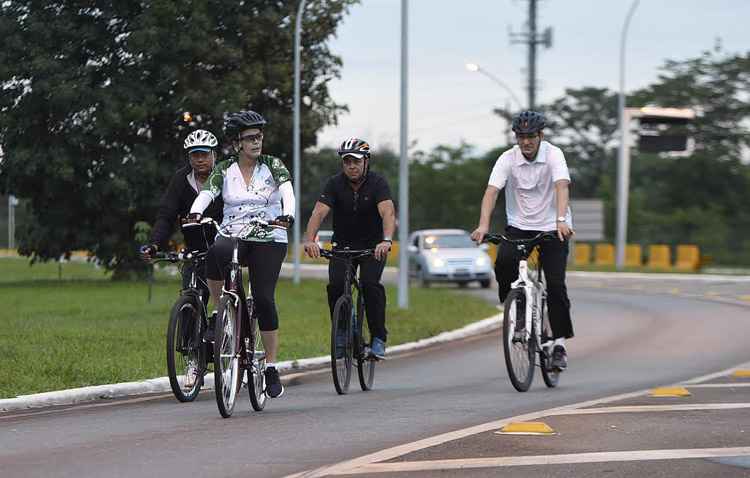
point(356, 147)
point(200, 140)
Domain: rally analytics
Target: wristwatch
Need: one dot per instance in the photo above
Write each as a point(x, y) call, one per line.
point(561, 219)
point(388, 239)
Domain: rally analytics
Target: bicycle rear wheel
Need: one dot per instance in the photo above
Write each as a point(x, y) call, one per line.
point(256, 379)
point(365, 363)
point(550, 375)
point(226, 359)
point(185, 353)
point(520, 354)
point(341, 355)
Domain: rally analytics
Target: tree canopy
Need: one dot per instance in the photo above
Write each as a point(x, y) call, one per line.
point(92, 99)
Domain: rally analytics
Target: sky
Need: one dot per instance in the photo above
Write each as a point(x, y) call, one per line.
point(449, 104)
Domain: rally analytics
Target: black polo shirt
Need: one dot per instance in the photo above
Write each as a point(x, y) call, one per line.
point(356, 220)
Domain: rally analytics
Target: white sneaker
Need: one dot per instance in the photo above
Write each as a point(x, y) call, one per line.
point(191, 375)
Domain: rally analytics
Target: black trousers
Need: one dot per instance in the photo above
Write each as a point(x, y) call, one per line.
point(554, 257)
point(263, 260)
point(370, 272)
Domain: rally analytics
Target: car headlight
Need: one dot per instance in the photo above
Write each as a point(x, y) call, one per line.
point(481, 261)
point(437, 262)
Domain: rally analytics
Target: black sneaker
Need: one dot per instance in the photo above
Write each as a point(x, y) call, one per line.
point(274, 388)
point(559, 358)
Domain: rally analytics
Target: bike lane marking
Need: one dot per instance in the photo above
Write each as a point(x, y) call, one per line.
point(573, 458)
point(364, 462)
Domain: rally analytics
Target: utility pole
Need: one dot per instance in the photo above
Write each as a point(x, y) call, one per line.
point(531, 38)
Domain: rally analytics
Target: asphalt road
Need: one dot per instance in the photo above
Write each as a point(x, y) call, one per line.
point(628, 337)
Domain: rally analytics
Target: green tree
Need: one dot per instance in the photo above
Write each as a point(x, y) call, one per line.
point(93, 95)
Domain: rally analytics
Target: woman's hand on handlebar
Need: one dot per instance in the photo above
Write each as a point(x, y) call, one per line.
point(192, 218)
point(284, 221)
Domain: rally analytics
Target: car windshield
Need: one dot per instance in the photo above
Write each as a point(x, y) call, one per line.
point(448, 241)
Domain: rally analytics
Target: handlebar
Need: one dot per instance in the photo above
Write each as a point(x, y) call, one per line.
point(254, 222)
point(346, 253)
point(173, 257)
point(498, 238)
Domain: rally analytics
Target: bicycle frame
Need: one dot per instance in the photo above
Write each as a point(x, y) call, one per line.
point(535, 293)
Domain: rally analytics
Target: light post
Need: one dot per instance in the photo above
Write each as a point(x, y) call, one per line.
point(403, 183)
point(297, 152)
point(623, 163)
point(479, 69)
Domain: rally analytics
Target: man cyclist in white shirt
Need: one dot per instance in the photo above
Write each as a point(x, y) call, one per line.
point(252, 185)
point(536, 180)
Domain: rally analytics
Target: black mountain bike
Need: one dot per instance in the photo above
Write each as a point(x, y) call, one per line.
point(188, 353)
point(349, 322)
point(526, 327)
point(238, 347)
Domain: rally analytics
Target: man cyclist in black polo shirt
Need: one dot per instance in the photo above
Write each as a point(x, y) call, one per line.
point(363, 218)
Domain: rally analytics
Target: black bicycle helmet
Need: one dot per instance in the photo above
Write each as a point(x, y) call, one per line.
point(528, 122)
point(236, 122)
point(356, 147)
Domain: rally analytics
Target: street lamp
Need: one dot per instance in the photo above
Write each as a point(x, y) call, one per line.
point(476, 68)
point(403, 185)
point(296, 132)
point(623, 163)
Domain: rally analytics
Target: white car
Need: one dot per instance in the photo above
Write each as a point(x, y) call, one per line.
point(448, 255)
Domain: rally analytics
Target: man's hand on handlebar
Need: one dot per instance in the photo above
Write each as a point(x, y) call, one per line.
point(312, 249)
point(382, 250)
point(479, 233)
point(564, 231)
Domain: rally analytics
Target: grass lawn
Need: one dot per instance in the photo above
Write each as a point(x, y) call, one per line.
point(87, 330)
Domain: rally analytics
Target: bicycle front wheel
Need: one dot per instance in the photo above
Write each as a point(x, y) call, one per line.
point(185, 357)
point(365, 363)
point(256, 379)
point(519, 348)
point(341, 345)
point(226, 358)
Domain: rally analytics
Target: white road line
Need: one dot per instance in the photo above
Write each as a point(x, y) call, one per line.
point(720, 385)
point(712, 376)
point(652, 408)
point(400, 450)
point(599, 457)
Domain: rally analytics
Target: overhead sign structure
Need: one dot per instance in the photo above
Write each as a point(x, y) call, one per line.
point(658, 128)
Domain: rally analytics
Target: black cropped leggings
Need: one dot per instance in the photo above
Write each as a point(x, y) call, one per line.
point(263, 260)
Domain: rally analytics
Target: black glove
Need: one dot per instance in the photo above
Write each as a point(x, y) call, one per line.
point(286, 220)
point(192, 218)
point(148, 250)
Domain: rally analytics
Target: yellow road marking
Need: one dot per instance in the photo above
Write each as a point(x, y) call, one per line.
point(670, 392)
point(526, 428)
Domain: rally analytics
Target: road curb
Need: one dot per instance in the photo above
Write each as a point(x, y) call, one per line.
point(161, 384)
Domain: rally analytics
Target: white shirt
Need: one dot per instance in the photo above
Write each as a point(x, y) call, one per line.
point(530, 199)
point(262, 198)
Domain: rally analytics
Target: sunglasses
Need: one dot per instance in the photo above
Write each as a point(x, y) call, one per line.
point(252, 138)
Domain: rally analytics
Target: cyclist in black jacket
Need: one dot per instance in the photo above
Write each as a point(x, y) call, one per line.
point(200, 146)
